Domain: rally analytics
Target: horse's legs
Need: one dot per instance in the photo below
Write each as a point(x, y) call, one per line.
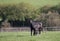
point(39, 31)
point(31, 31)
point(34, 31)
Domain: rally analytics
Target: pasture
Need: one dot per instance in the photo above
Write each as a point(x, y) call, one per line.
point(35, 3)
point(25, 36)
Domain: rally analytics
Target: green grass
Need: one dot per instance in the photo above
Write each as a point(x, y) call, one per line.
point(25, 36)
point(36, 3)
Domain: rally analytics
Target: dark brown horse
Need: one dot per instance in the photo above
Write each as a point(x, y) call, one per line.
point(36, 27)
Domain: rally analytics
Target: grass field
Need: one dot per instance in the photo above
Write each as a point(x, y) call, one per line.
point(36, 3)
point(25, 36)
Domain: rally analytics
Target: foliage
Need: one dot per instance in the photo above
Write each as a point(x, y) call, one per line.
point(26, 10)
point(17, 12)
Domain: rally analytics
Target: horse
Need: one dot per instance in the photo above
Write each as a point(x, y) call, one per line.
point(35, 27)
